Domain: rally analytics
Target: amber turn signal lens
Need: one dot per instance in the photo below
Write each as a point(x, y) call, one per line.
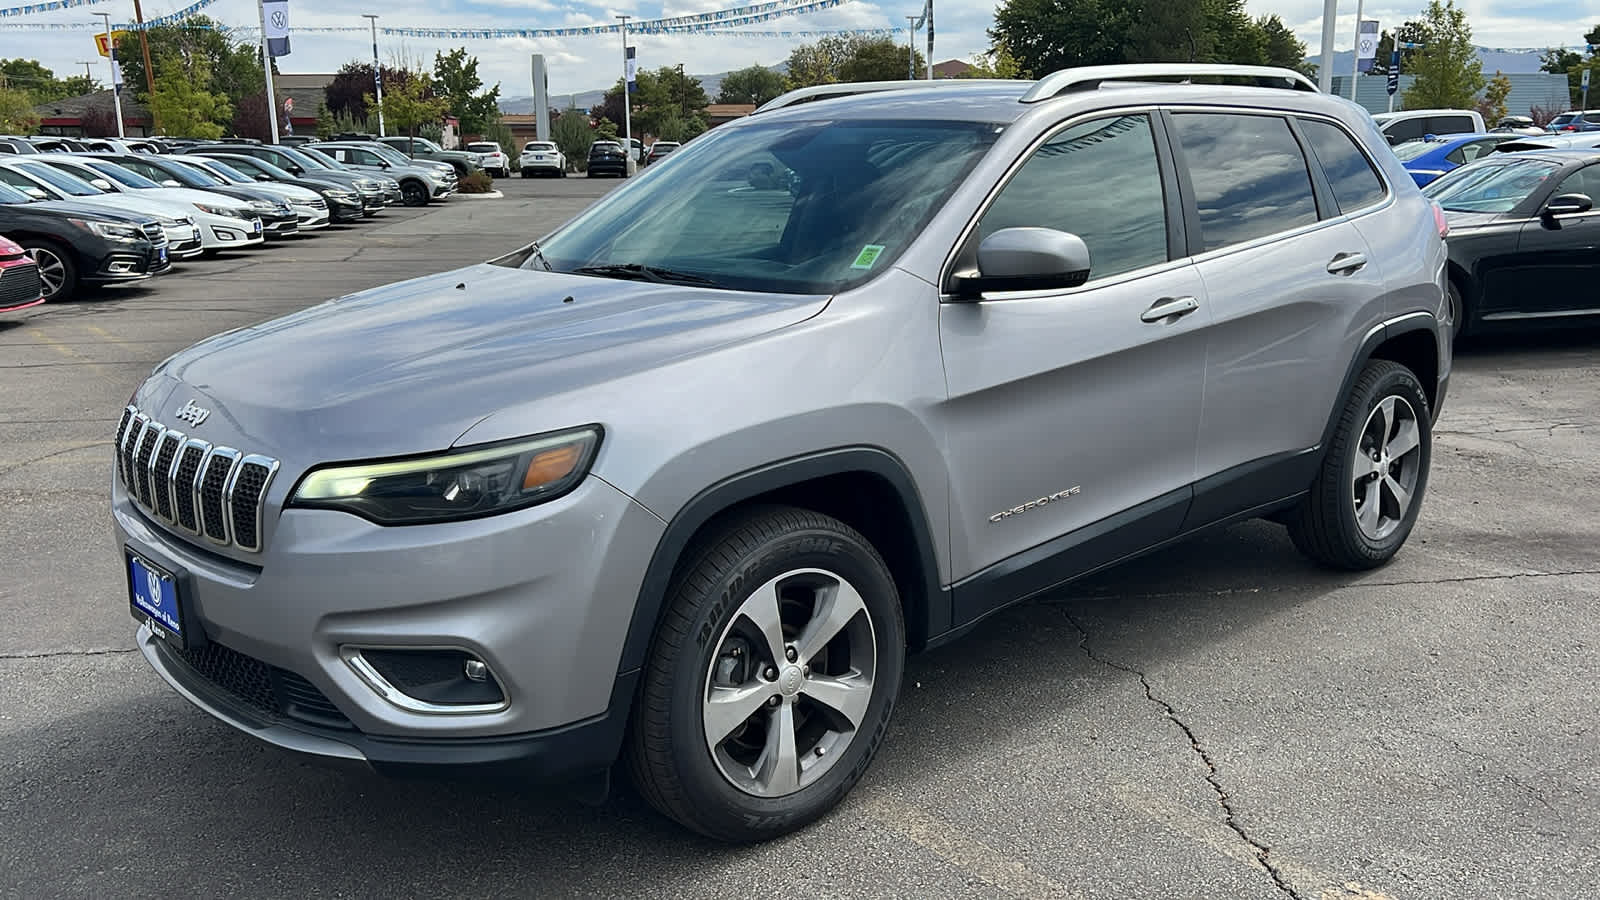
point(551, 466)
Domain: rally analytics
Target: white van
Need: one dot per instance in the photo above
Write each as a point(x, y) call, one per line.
point(1411, 124)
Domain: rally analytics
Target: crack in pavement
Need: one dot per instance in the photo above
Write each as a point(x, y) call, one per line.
point(50, 654)
point(51, 455)
point(1230, 818)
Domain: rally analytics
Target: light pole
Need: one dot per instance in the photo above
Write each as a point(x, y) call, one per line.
point(1330, 17)
point(266, 68)
point(88, 71)
point(930, 40)
point(377, 71)
point(1355, 69)
point(116, 81)
point(911, 48)
point(627, 102)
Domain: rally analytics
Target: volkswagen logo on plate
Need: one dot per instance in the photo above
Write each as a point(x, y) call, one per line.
point(192, 413)
point(152, 584)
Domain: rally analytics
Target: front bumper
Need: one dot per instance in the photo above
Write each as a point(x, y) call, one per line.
point(312, 218)
point(280, 225)
point(225, 233)
point(543, 595)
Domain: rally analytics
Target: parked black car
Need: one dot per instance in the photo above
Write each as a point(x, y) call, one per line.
point(1524, 239)
point(374, 193)
point(76, 244)
point(344, 203)
point(606, 158)
point(278, 218)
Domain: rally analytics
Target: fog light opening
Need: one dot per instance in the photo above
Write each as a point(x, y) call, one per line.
point(428, 680)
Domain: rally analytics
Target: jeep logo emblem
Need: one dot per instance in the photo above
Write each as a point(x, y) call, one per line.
point(192, 413)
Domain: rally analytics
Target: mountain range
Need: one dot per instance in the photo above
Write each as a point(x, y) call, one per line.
point(1509, 62)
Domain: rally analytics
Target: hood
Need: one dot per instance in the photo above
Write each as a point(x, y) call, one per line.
point(187, 197)
point(244, 193)
point(411, 367)
point(133, 204)
point(289, 192)
point(76, 209)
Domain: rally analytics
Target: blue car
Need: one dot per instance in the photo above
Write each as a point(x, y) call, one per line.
point(1432, 156)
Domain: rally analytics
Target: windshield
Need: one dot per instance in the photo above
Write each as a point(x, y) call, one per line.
point(224, 170)
point(10, 195)
point(309, 160)
point(1493, 188)
point(389, 154)
point(265, 168)
point(192, 175)
point(125, 177)
point(484, 148)
point(69, 184)
point(426, 145)
point(1412, 149)
point(805, 207)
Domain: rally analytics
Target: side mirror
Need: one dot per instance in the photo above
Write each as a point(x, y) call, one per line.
point(1568, 205)
point(37, 193)
point(171, 183)
point(102, 184)
point(262, 176)
point(1025, 259)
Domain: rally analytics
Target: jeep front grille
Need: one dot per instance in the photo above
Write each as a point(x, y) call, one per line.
point(210, 491)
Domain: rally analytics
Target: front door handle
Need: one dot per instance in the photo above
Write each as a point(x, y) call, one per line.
point(1347, 264)
point(1170, 309)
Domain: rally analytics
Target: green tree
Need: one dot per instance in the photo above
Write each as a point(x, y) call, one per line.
point(410, 104)
point(1574, 64)
point(571, 133)
point(996, 63)
point(1282, 47)
point(1449, 72)
point(78, 85)
point(32, 78)
point(1493, 105)
point(456, 81)
point(661, 98)
point(16, 111)
point(1409, 32)
point(235, 66)
point(877, 59)
point(183, 102)
point(844, 58)
point(753, 84)
point(818, 63)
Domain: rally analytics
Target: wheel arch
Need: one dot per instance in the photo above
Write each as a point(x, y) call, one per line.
point(1412, 341)
point(868, 488)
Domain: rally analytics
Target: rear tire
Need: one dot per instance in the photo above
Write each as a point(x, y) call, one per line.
point(1369, 490)
point(57, 271)
point(772, 677)
point(1457, 310)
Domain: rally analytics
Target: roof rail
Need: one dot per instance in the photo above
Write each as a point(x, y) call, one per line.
point(847, 89)
point(1089, 78)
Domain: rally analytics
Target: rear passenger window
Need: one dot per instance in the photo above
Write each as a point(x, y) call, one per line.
point(1405, 130)
point(1355, 182)
point(1100, 181)
point(1250, 178)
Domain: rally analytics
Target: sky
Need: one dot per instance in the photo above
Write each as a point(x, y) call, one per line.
point(587, 63)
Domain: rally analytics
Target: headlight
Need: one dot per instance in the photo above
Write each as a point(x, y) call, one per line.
point(221, 211)
point(112, 231)
point(368, 184)
point(264, 205)
point(462, 484)
point(170, 222)
point(344, 196)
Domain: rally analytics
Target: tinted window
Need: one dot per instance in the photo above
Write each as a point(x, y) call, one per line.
point(1354, 181)
point(367, 159)
point(1250, 179)
point(1406, 130)
point(1451, 125)
point(1583, 181)
point(1100, 181)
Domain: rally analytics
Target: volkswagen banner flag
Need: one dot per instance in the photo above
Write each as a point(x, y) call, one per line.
point(275, 15)
point(631, 67)
point(1367, 45)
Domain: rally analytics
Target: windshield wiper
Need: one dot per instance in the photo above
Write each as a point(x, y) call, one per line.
point(640, 272)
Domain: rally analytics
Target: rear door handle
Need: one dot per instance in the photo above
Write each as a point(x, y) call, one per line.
point(1347, 264)
point(1170, 309)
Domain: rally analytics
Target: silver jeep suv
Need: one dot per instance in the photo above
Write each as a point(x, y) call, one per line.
point(681, 485)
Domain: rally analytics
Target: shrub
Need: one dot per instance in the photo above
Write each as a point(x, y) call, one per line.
point(478, 182)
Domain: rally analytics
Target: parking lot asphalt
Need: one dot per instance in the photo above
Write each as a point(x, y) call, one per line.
point(1218, 720)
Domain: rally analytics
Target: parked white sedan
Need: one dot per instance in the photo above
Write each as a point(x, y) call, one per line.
point(495, 160)
point(542, 158)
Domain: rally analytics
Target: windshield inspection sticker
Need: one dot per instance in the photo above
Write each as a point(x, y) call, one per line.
point(868, 255)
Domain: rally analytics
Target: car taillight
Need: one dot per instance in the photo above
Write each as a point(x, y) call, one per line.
point(1439, 220)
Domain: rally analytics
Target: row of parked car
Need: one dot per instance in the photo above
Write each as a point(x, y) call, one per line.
point(122, 211)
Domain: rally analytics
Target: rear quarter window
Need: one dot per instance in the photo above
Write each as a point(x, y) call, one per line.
point(1355, 181)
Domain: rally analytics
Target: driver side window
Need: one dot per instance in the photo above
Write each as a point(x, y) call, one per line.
point(1584, 181)
point(1099, 180)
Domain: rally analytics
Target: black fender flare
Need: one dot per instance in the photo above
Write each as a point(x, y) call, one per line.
point(1377, 337)
point(731, 491)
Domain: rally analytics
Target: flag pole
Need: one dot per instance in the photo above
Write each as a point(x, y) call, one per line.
point(266, 68)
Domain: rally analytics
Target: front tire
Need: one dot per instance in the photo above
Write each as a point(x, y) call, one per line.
point(772, 679)
point(1369, 491)
point(57, 271)
point(413, 194)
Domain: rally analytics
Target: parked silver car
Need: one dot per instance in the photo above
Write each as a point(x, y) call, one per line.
point(419, 182)
point(683, 482)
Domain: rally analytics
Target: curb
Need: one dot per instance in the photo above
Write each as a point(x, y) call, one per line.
point(492, 195)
